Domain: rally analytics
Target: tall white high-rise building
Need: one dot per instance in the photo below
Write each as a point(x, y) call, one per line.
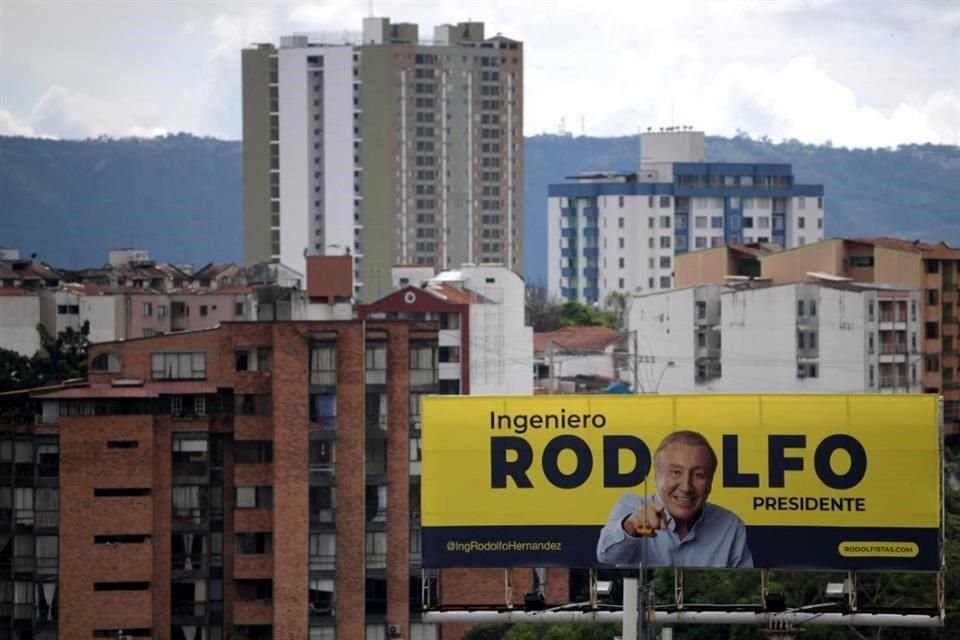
point(386, 147)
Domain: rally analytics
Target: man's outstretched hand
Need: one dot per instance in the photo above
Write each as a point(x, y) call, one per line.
point(645, 521)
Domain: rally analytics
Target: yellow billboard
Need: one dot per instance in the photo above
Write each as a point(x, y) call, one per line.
point(692, 480)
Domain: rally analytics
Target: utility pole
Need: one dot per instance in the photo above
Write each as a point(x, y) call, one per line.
point(550, 390)
point(636, 362)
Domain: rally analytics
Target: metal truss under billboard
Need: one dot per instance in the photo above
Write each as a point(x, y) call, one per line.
point(845, 482)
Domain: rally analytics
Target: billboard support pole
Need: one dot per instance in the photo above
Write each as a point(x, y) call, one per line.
point(508, 588)
point(630, 609)
point(852, 596)
point(593, 589)
point(678, 588)
point(764, 587)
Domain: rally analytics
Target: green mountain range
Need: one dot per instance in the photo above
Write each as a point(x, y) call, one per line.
point(180, 196)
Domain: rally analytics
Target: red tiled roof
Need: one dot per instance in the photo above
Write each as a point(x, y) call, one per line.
point(896, 243)
point(578, 339)
point(12, 292)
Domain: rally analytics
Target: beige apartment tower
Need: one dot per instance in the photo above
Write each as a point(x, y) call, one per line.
point(393, 149)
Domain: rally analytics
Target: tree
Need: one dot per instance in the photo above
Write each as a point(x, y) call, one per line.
point(616, 308)
point(63, 357)
point(543, 313)
point(577, 314)
point(16, 371)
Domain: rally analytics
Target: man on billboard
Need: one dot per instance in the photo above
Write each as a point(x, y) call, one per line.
point(676, 527)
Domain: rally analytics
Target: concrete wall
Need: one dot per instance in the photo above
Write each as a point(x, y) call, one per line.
point(664, 324)
point(501, 345)
point(19, 316)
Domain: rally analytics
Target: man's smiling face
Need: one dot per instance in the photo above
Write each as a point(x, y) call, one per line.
point(684, 479)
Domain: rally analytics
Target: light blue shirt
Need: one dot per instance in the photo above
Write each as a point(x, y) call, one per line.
point(718, 538)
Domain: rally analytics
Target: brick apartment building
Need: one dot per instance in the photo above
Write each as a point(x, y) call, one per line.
point(255, 480)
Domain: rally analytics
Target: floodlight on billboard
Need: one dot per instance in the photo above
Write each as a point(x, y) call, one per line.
point(847, 482)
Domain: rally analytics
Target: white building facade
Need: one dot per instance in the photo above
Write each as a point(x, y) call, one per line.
point(620, 232)
point(19, 316)
point(796, 338)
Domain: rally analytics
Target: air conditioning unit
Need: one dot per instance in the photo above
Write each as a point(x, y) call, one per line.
point(393, 631)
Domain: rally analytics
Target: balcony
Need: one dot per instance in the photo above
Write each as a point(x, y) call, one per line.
point(569, 232)
point(893, 352)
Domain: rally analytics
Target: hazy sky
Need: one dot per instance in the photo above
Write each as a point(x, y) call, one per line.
point(855, 72)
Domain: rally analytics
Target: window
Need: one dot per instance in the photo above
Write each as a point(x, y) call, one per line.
point(254, 543)
point(203, 310)
point(664, 262)
point(665, 242)
point(323, 409)
point(620, 222)
point(323, 364)
point(621, 262)
point(323, 505)
point(664, 202)
point(620, 243)
point(700, 242)
point(161, 311)
point(105, 363)
point(121, 586)
point(253, 451)
point(322, 597)
point(664, 282)
point(179, 366)
point(932, 296)
point(872, 377)
point(820, 204)
point(122, 444)
point(147, 309)
point(932, 331)
point(375, 548)
point(664, 222)
point(238, 308)
point(801, 222)
point(620, 201)
point(254, 497)
point(376, 363)
point(716, 222)
point(734, 222)
point(700, 222)
point(423, 365)
point(801, 203)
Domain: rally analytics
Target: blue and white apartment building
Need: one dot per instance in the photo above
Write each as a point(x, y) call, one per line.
point(620, 231)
